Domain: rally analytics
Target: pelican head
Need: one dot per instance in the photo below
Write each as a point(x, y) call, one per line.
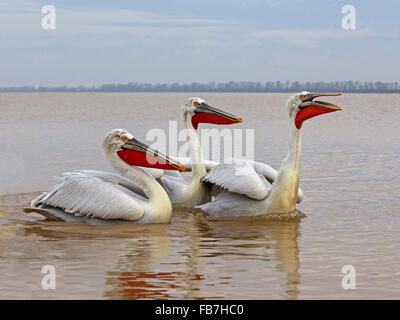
point(136, 153)
point(201, 112)
point(303, 107)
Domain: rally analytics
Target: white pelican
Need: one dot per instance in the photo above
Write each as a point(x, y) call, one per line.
point(195, 111)
point(177, 189)
point(135, 195)
point(245, 192)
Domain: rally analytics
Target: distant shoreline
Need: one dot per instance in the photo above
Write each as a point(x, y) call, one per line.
point(54, 91)
point(244, 87)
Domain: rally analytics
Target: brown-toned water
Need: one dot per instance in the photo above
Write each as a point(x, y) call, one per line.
point(350, 176)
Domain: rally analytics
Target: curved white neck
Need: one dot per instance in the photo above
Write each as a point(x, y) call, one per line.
point(196, 188)
point(285, 188)
point(196, 153)
point(293, 158)
point(160, 207)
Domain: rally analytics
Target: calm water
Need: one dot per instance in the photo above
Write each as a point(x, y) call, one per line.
point(350, 177)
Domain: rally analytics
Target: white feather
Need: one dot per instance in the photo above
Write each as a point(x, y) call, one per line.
point(262, 169)
point(94, 195)
point(187, 162)
point(238, 178)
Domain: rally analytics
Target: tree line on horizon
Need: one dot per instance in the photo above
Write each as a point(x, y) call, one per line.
point(231, 86)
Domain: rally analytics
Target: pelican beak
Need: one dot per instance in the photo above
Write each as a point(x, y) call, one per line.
point(310, 108)
point(204, 113)
point(137, 153)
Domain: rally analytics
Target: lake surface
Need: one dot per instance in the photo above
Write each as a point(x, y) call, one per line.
point(350, 177)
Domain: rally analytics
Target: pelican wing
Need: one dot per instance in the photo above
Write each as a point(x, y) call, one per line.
point(187, 162)
point(172, 174)
point(238, 178)
point(156, 173)
point(94, 194)
point(160, 174)
point(117, 179)
point(228, 204)
point(270, 174)
point(262, 169)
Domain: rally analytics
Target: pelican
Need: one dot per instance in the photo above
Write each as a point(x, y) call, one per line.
point(197, 111)
point(134, 195)
point(192, 193)
point(245, 192)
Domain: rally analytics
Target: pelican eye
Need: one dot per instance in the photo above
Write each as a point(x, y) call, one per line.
point(301, 97)
point(196, 104)
point(124, 138)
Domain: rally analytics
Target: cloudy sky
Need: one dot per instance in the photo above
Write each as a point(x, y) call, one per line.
point(98, 41)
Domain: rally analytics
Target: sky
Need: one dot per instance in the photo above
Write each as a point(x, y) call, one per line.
point(97, 42)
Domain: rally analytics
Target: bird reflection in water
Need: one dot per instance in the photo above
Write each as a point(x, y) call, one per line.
point(203, 257)
point(193, 257)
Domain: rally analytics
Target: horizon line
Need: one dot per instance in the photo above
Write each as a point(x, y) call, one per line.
point(351, 86)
